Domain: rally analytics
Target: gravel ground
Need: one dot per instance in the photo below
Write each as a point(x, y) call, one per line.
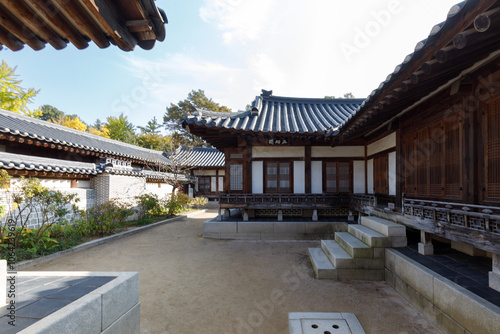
point(193, 285)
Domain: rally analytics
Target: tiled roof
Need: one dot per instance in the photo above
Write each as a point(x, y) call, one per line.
point(200, 157)
point(38, 164)
point(29, 127)
point(281, 115)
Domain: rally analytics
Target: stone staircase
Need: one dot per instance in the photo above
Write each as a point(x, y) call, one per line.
point(359, 253)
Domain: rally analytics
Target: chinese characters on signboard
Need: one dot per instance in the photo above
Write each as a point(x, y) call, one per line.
point(277, 141)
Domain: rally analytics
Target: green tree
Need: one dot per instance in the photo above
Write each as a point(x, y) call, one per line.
point(119, 128)
point(12, 96)
point(153, 127)
point(50, 113)
point(174, 114)
point(153, 141)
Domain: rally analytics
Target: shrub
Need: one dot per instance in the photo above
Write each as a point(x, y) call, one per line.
point(176, 203)
point(27, 199)
point(104, 219)
point(150, 205)
point(197, 202)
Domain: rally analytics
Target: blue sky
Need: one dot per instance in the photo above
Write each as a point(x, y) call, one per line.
point(232, 49)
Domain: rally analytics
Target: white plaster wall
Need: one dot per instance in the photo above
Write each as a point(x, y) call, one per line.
point(125, 188)
point(213, 184)
point(382, 144)
point(337, 152)
point(392, 173)
point(164, 190)
point(369, 167)
point(56, 184)
point(278, 152)
point(83, 184)
point(316, 177)
point(359, 177)
point(257, 177)
point(299, 174)
point(221, 184)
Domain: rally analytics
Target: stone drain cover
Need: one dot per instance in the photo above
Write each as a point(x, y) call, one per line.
point(324, 323)
point(311, 326)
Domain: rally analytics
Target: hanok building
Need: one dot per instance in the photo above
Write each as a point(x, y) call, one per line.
point(98, 169)
point(422, 151)
point(204, 165)
point(278, 160)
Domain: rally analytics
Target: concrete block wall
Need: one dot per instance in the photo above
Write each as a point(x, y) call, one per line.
point(451, 307)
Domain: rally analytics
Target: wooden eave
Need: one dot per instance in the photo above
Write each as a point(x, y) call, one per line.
point(43, 174)
point(222, 138)
point(437, 65)
point(125, 23)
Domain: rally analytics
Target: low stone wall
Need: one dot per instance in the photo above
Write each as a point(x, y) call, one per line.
point(449, 306)
point(111, 308)
point(251, 230)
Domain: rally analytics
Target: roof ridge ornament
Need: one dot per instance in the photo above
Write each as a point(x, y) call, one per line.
point(267, 93)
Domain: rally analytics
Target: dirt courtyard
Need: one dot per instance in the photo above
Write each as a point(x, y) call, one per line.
point(193, 285)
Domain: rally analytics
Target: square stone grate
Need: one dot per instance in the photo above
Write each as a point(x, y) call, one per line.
point(324, 323)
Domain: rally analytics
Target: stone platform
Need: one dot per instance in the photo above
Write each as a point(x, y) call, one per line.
point(71, 302)
point(268, 229)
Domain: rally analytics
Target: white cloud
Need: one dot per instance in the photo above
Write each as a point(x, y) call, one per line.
point(239, 20)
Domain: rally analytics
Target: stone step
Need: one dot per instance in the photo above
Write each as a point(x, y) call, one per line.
point(323, 268)
point(337, 255)
point(383, 226)
point(353, 246)
point(340, 259)
point(370, 237)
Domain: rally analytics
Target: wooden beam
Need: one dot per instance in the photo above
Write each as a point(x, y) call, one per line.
point(49, 13)
point(483, 22)
point(79, 16)
point(10, 41)
point(106, 14)
point(35, 23)
point(18, 29)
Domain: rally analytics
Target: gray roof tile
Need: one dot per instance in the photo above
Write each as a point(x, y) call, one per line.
point(15, 124)
point(39, 164)
point(200, 157)
point(283, 115)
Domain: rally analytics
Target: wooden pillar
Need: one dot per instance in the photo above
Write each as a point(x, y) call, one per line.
point(248, 170)
point(399, 166)
point(227, 173)
point(366, 168)
point(308, 170)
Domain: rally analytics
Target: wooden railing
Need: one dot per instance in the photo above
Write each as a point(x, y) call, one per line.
point(295, 200)
point(474, 217)
point(361, 202)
